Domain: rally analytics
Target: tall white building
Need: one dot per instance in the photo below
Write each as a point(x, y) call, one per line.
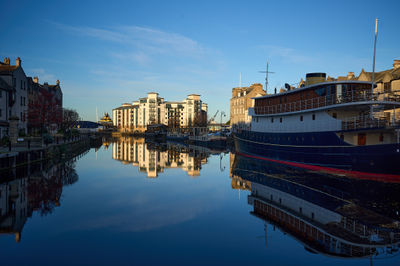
point(136, 116)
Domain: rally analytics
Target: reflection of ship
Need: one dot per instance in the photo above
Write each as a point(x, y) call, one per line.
point(152, 158)
point(332, 216)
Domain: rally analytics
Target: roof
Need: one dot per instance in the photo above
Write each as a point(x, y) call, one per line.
point(392, 74)
point(6, 69)
point(87, 124)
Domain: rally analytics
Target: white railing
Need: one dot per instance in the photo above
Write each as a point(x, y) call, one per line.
point(367, 121)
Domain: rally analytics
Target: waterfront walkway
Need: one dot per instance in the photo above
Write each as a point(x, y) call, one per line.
point(24, 146)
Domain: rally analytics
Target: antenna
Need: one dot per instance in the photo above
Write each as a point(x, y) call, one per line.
point(97, 116)
point(266, 77)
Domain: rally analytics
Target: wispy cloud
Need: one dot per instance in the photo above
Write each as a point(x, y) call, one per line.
point(43, 75)
point(286, 53)
point(144, 39)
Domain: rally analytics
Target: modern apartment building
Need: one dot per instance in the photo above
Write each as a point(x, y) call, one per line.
point(151, 110)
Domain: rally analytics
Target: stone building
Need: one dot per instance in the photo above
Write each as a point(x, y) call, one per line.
point(14, 90)
point(387, 85)
point(241, 101)
point(152, 110)
point(45, 103)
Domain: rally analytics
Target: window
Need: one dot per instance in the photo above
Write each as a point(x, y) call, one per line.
point(272, 120)
point(386, 87)
point(380, 137)
point(301, 210)
point(280, 120)
point(1, 93)
point(313, 117)
point(320, 91)
point(301, 118)
point(334, 115)
point(1, 113)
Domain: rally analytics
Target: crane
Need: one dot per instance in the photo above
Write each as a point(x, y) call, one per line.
point(213, 118)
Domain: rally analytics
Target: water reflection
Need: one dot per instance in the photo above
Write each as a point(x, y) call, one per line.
point(35, 188)
point(328, 214)
point(152, 158)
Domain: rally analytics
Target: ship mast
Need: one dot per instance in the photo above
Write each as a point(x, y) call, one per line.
point(266, 77)
point(373, 65)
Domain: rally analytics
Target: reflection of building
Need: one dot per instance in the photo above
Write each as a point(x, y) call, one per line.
point(241, 101)
point(237, 181)
point(154, 110)
point(13, 207)
point(328, 214)
point(153, 160)
point(32, 190)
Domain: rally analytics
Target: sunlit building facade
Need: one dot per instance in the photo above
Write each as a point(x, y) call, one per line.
point(151, 110)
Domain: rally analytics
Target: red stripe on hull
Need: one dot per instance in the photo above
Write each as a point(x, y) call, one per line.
point(347, 173)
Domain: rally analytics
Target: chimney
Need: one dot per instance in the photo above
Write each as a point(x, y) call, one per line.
point(396, 63)
point(18, 62)
point(6, 60)
point(36, 79)
point(58, 82)
point(350, 75)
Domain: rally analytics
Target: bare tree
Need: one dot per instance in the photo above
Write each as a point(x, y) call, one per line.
point(70, 117)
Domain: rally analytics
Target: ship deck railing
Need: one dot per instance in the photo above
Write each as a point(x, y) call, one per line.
point(367, 122)
point(323, 101)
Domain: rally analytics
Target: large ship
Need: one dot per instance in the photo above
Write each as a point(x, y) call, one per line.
point(341, 126)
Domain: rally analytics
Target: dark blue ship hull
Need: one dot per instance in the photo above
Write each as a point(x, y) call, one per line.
point(323, 149)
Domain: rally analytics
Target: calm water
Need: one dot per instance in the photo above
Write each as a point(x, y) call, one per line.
point(130, 202)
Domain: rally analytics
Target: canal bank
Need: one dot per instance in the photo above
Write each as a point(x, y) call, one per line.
point(20, 156)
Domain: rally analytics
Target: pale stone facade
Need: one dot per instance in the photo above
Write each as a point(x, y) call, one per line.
point(241, 101)
point(135, 117)
point(15, 101)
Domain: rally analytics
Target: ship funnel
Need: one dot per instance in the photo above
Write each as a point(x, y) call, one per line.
point(313, 78)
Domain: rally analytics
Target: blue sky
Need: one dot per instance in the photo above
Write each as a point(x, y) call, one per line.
point(109, 52)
